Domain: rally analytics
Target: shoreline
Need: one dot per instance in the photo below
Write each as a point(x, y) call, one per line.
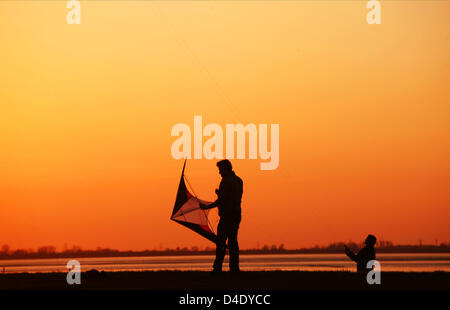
point(201, 253)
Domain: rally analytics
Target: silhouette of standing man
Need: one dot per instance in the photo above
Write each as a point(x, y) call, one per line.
point(365, 255)
point(228, 201)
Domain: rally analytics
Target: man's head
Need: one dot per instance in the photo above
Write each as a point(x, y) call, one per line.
point(224, 167)
point(371, 240)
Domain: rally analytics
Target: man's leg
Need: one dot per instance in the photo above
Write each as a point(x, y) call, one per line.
point(233, 245)
point(220, 246)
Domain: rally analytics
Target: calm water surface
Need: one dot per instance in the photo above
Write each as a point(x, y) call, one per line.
point(298, 262)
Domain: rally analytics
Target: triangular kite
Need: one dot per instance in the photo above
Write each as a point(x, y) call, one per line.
point(187, 212)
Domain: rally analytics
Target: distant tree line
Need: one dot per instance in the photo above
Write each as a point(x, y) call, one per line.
point(337, 247)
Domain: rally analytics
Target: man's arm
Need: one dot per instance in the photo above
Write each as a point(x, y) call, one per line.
point(351, 254)
point(222, 194)
point(210, 206)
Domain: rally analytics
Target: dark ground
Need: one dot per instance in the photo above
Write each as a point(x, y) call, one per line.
point(193, 280)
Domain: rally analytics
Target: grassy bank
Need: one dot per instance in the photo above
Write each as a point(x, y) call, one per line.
point(193, 280)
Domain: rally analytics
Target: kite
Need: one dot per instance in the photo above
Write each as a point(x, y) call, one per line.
point(187, 211)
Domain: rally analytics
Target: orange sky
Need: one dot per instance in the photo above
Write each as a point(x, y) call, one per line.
point(86, 112)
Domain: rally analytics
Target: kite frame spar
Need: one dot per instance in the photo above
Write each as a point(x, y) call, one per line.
point(187, 202)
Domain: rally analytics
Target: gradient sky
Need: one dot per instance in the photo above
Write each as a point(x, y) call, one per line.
point(86, 112)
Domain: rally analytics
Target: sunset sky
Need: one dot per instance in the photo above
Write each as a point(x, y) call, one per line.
point(86, 113)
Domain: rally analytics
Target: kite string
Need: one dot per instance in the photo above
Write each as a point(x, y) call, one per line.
point(190, 186)
point(179, 39)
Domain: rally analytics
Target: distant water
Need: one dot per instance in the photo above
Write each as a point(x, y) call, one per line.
point(296, 262)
